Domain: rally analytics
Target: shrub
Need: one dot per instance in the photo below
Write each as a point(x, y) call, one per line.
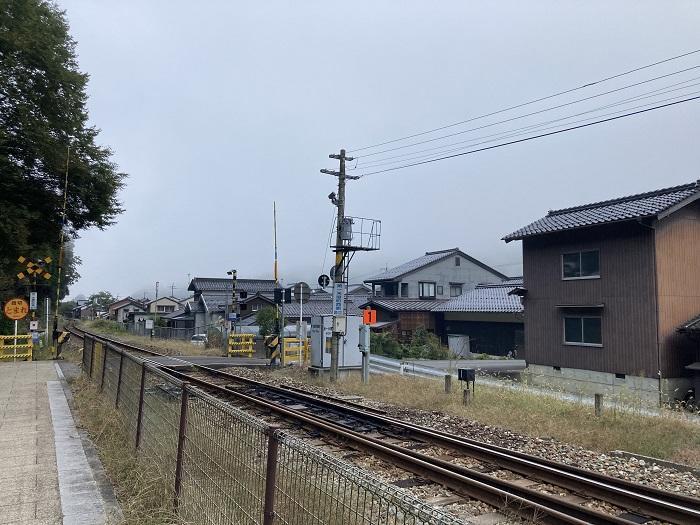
point(384, 343)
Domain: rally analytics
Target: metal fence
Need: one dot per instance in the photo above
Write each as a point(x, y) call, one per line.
point(220, 465)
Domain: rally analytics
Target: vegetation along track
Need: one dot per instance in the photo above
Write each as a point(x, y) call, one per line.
point(373, 432)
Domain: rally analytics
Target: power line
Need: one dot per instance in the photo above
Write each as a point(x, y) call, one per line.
point(656, 92)
point(533, 137)
point(589, 84)
point(529, 129)
point(529, 114)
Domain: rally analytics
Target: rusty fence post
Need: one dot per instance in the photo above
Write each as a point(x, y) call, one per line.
point(180, 445)
point(271, 475)
point(105, 349)
point(119, 379)
point(448, 383)
point(92, 355)
point(598, 405)
point(139, 417)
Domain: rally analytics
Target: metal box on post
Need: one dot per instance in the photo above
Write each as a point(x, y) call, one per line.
point(349, 355)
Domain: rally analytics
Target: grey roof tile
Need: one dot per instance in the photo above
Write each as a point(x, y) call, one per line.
point(632, 207)
point(425, 260)
point(491, 298)
point(404, 305)
point(221, 285)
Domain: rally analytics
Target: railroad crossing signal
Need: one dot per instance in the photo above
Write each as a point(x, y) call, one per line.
point(34, 268)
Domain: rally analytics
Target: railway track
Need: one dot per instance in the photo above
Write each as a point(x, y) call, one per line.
point(399, 443)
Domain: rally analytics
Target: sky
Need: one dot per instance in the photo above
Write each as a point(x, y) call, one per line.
point(216, 109)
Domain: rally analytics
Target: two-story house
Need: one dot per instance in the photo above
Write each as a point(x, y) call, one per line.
point(607, 286)
point(406, 295)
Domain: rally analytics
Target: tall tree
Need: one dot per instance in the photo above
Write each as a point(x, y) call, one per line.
point(44, 131)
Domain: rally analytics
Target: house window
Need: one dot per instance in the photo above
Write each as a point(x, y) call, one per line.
point(256, 307)
point(455, 290)
point(585, 330)
point(404, 289)
point(580, 265)
point(426, 290)
point(440, 290)
point(165, 308)
point(390, 289)
point(458, 261)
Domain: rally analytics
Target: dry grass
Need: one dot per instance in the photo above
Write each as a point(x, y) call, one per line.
point(666, 437)
point(142, 495)
point(164, 346)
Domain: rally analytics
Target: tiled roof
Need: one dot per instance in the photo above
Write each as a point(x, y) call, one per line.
point(404, 305)
point(220, 285)
point(643, 205)
point(485, 298)
point(426, 260)
point(312, 308)
point(411, 266)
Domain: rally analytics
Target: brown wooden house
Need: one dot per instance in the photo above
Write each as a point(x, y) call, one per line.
point(607, 286)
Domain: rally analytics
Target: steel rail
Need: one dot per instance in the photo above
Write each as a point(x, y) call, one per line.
point(676, 508)
point(643, 499)
point(522, 501)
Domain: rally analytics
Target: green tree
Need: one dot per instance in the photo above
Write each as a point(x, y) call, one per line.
point(102, 299)
point(43, 114)
point(266, 318)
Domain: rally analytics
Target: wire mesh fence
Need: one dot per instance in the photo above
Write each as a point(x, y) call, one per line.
point(220, 465)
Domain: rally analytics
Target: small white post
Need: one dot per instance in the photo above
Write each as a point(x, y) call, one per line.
point(14, 359)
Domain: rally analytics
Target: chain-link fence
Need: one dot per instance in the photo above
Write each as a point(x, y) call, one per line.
point(220, 465)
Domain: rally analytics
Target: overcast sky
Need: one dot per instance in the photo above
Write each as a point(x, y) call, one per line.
point(217, 109)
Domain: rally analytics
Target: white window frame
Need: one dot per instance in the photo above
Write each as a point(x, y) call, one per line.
point(583, 277)
point(573, 343)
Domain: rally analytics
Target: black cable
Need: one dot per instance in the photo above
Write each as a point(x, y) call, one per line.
point(528, 129)
point(656, 92)
point(532, 138)
point(589, 84)
point(529, 114)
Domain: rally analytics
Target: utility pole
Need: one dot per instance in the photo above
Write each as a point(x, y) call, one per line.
point(339, 269)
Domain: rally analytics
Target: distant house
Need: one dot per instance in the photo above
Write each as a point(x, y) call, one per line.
point(488, 319)
point(163, 305)
point(212, 299)
point(406, 295)
point(607, 286)
point(435, 275)
point(121, 309)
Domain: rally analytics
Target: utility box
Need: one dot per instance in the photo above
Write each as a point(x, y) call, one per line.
point(349, 355)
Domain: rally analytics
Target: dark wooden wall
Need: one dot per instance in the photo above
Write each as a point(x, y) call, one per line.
point(678, 281)
point(626, 287)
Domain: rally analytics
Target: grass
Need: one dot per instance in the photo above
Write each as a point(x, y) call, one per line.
point(165, 346)
point(665, 437)
point(141, 493)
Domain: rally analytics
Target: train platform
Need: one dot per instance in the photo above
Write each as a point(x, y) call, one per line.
point(50, 473)
point(210, 361)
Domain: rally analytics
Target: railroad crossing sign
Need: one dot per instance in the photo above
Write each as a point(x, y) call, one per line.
point(16, 308)
point(34, 268)
point(302, 292)
point(324, 281)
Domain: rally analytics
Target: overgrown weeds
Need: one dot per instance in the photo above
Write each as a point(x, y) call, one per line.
point(142, 494)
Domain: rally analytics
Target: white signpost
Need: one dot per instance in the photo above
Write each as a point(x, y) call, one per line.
point(338, 298)
point(32, 300)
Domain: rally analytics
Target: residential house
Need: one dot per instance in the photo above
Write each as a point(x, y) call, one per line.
point(406, 295)
point(606, 287)
point(212, 300)
point(487, 319)
point(163, 305)
point(121, 309)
